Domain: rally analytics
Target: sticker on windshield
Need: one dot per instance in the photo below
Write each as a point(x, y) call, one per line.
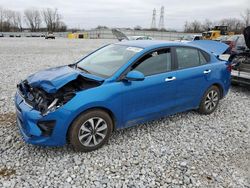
point(134, 49)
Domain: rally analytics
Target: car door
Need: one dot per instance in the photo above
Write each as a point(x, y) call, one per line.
point(192, 76)
point(155, 95)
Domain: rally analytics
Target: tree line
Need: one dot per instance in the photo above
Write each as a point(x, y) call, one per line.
point(234, 24)
point(32, 19)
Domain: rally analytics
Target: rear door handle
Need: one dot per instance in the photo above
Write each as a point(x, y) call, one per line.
point(170, 79)
point(206, 71)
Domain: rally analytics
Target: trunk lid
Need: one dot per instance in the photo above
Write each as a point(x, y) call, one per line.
point(217, 48)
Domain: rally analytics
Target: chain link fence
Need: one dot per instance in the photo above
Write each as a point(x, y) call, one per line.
point(104, 34)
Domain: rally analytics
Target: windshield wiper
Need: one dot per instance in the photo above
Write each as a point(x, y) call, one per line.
point(84, 70)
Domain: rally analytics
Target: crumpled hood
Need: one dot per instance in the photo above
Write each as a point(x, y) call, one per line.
point(50, 80)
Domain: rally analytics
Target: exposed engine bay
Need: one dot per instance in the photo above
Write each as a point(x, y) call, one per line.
point(45, 102)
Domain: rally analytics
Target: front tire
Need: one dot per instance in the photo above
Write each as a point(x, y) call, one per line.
point(90, 131)
point(210, 100)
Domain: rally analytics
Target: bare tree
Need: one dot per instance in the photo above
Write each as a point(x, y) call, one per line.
point(5, 19)
point(52, 19)
point(207, 25)
point(15, 20)
point(246, 17)
point(19, 21)
point(1, 18)
point(33, 19)
point(62, 27)
point(8, 18)
point(186, 27)
point(233, 24)
point(193, 27)
point(196, 25)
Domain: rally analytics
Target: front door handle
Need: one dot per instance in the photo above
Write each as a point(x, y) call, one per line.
point(168, 79)
point(206, 71)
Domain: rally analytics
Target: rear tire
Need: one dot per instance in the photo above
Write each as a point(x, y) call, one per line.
point(90, 131)
point(210, 100)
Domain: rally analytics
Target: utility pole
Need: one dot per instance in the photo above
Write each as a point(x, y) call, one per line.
point(161, 22)
point(153, 23)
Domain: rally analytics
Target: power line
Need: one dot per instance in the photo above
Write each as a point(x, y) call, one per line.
point(161, 22)
point(153, 23)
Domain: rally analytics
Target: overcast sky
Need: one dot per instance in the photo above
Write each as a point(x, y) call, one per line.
point(128, 13)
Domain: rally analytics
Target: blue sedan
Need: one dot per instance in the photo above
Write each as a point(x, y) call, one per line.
point(118, 86)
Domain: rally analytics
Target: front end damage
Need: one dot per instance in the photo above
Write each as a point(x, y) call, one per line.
point(40, 117)
point(45, 102)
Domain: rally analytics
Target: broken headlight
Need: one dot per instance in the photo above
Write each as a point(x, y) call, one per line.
point(56, 103)
point(51, 108)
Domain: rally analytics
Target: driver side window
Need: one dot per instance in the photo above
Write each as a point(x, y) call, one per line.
point(156, 62)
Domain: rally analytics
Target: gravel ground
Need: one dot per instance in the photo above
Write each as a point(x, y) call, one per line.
point(184, 150)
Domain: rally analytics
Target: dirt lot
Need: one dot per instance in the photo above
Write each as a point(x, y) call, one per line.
point(184, 150)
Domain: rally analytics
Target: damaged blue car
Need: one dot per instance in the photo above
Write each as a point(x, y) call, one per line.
point(118, 86)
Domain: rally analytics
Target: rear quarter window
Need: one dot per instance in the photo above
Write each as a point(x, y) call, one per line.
point(191, 57)
point(205, 56)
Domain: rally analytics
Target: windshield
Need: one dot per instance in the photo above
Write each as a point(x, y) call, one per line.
point(106, 61)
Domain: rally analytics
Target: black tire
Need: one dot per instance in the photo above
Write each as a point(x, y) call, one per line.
point(83, 122)
point(207, 99)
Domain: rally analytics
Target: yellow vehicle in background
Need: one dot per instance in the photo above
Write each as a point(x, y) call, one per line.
point(216, 32)
point(83, 35)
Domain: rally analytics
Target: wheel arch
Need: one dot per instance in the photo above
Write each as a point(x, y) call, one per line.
point(108, 111)
point(219, 86)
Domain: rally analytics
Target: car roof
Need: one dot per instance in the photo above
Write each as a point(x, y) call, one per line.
point(151, 43)
point(208, 46)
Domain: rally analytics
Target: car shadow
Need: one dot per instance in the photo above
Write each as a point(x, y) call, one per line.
point(119, 137)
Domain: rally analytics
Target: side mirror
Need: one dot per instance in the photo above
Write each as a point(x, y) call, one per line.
point(134, 76)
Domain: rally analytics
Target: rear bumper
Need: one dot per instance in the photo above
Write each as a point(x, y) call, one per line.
point(27, 121)
point(240, 77)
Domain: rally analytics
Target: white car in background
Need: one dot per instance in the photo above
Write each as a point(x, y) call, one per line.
point(140, 38)
point(188, 38)
point(50, 35)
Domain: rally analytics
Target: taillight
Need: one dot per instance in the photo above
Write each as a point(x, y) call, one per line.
point(229, 67)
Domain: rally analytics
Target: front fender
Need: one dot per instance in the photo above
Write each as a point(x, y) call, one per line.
point(99, 97)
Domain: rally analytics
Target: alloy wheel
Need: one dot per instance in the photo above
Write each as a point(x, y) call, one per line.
point(92, 132)
point(211, 100)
